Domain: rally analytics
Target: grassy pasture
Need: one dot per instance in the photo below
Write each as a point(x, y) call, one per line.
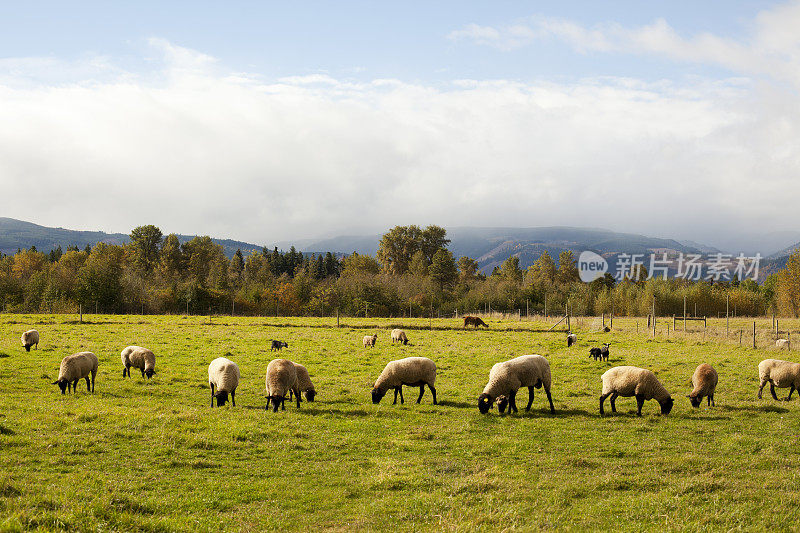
point(151, 456)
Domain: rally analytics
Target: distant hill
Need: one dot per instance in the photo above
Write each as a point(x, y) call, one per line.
point(17, 234)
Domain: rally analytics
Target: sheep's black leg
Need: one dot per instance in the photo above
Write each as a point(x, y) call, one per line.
point(94, 375)
point(142, 373)
point(402, 400)
point(88, 387)
point(395, 396)
point(283, 404)
point(711, 400)
point(512, 401)
point(772, 390)
point(212, 393)
point(233, 397)
point(613, 401)
point(75, 386)
point(639, 404)
point(421, 392)
point(790, 393)
point(603, 399)
point(266, 407)
point(761, 388)
point(433, 391)
point(530, 399)
point(291, 394)
point(297, 397)
point(550, 399)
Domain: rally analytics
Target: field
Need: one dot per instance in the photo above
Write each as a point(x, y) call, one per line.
point(144, 455)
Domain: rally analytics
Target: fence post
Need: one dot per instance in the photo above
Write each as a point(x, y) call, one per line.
point(337, 317)
point(754, 334)
point(80, 311)
point(727, 315)
point(684, 314)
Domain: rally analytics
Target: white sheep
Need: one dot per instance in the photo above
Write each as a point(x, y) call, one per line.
point(30, 338)
point(74, 368)
point(303, 384)
point(399, 335)
point(281, 378)
point(370, 340)
point(782, 343)
point(571, 339)
point(223, 378)
point(779, 374)
point(411, 371)
point(627, 381)
point(138, 357)
point(505, 379)
point(704, 382)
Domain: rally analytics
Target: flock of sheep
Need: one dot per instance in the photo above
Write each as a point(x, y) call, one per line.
point(505, 378)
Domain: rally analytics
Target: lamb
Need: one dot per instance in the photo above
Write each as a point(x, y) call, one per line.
point(782, 343)
point(630, 381)
point(571, 339)
point(505, 379)
point(370, 340)
point(474, 321)
point(30, 338)
point(704, 381)
point(304, 384)
point(138, 357)
point(596, 353)
point(399, 335)
point(223, 378)
point(281, 378)
point(779, 374)
point(74, 368)
point(411, 371)
point(277, 345)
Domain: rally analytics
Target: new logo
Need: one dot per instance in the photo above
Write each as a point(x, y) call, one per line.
point(591, 266)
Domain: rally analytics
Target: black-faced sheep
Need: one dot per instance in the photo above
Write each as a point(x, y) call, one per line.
point(138, 357)
point(779, 374)
point(303, 383)
point(278, 345)
point(571, 339)
point(370, 340)
point(704, 382)
point(411, 371)
point(474, 321)
point(400, 336)
point(505, 379)
point(223, 378)
point(627, 381)
point(30, 338)
point(75, 368)
point(281, 378)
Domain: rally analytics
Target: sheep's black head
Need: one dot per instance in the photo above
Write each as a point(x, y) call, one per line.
point(666, 407)
point(484, 403)
point(309, 394)
point(28, 347)
point(277, 401)
point(222, 398)
point(696, 401)
point(405, 341)
point(285, 344)
point(502, 403)
point(149, 373)
point(377, 395)
point(62, 384)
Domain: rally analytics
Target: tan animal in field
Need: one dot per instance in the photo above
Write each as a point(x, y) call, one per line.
point(474, 321)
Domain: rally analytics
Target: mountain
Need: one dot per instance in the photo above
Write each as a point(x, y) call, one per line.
point(16, 234)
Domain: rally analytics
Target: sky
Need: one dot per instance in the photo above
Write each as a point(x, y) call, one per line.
point(273, 121)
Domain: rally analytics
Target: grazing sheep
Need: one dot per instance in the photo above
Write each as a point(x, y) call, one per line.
point(779, 374)
point(606, 329)
point(704, 381)
point(30, 338)
point(370, 340)
point(75, 368)
point(596, 353)
point(399, 335)
point(630, 381)
point(304, 384)
point(281, 378)
point(505, 379)
point(474, 321)
point(277, 345)
point(571, 339)
point(223, 378)
point(411, 371)
point(782, 343)
point(138, 357)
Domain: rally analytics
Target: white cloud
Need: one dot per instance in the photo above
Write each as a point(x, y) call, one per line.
point(194, 148)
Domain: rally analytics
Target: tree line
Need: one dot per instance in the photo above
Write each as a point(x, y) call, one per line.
point(412, 274)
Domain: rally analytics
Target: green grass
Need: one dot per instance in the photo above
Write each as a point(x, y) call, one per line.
point(151, 456)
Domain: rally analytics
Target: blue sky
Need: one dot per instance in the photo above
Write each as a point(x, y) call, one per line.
point(274, 121)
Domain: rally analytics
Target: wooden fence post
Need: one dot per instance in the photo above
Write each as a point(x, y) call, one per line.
point(754, 334)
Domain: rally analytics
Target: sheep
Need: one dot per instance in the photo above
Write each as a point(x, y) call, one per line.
point(704, 381)
point(595, 352)
point(604, 351)
point(277, 345)
point(399, 335)
point(30, 338)
point(370, 340)
point(474, 321)
point(630, 381)
point(281, 378)
point(223, 378)
point(74, 368)
point(505, 379)
point(571, 339)
point(304, 384)
point(138, 357)
point(411, 371)
point(782, 343)
point(779, 374)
